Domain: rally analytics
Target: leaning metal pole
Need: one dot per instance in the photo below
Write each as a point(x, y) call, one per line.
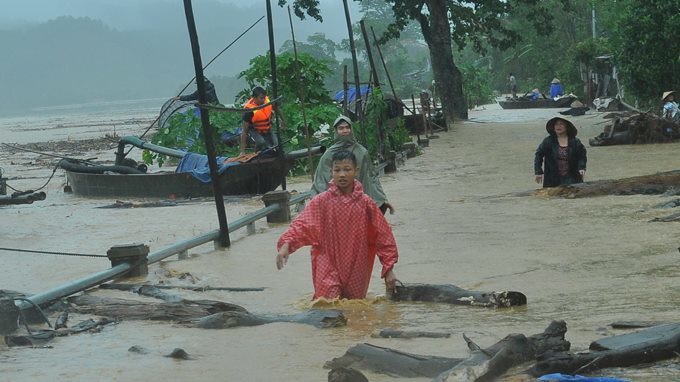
point(208, 134)
point(272, 57)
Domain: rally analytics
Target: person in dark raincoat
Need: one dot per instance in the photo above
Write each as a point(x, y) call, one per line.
point(561, 158)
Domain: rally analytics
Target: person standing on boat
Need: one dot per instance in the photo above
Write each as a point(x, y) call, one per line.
point(561, 158)
point(556, 89)
point(344, 140)
point(258, 123)
point(210, 94)
point(513, 85)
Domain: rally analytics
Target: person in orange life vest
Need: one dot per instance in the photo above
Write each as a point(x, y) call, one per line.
point(257, 123)
point(347, 232)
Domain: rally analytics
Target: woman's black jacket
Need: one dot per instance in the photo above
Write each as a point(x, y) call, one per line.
point(547, 152)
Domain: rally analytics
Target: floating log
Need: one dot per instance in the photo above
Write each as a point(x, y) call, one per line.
point(392, 333)
point(207, 314)
point(654, 184)
point(22, 198)
point(645, 346)
point(317, 317)
point(635, 324)
point(486, 366)
point(133, 287)
point(452, 294)
point(398, 363)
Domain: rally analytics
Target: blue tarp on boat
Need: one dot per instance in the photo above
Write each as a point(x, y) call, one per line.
point(197, 165)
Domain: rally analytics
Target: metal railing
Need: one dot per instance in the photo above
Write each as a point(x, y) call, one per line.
point(180, 249)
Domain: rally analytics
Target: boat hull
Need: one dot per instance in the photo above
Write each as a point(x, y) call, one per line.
point(538, 104)
point(257, 177)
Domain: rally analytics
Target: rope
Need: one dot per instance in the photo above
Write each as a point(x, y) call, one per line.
point(49, 252)
point(54, 171)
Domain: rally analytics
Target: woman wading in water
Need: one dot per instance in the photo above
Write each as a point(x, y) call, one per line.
point(561, 157)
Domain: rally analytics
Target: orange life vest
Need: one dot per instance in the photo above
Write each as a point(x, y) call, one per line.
point(262, 117)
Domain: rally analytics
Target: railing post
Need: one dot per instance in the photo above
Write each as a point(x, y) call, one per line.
point(9, 314)
point(133, 254)
point(282, 198)
point(250, 229)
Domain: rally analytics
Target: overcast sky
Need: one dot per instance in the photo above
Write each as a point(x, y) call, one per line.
point(158, 14)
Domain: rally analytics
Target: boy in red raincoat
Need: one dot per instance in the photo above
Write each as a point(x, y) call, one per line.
point(346, 231)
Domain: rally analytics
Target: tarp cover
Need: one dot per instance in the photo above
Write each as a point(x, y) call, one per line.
point(197, 165)
point(351, 94)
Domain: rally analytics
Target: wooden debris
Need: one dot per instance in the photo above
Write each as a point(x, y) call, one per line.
point(392, 333)
point(645, 346)
point(207, 314)
point(638, 129)
point(514, 350)
point(655, 184)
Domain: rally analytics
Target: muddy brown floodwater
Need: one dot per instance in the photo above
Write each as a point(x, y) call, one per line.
point(586, 261)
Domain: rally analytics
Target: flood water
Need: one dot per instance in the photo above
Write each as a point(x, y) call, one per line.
point(589, 262)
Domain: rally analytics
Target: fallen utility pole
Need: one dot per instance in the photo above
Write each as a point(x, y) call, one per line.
point(302, 97)
point(272, 58)
point(358, 109)
point(376, 84)
point(208, 134)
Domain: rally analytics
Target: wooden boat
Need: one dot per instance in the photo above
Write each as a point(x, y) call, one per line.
point(525, 103)
point(258, 176)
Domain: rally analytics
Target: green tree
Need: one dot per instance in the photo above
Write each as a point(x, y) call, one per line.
point(443, 22)
point(648, 48)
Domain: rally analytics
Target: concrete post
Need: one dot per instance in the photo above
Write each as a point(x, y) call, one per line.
point(134, 254)
point(391, 158)
point(282, 198)
point(9, 315)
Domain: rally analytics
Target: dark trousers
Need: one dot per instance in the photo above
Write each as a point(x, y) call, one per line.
point(263, 141)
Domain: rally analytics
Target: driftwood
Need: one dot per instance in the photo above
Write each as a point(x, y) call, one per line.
point(666, 219)
point(636, 324)
point(655, 184)
point(317, 317)
point(122, 204)
point(207, 314)
point(27, 197)
point(392, 333)
point(647, 345)
point(452, 294)
point(504, 353)
point(135, 287)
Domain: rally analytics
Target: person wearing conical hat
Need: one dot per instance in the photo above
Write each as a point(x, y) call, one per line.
point(556, 89)
point(670, 106)
point(344, 140)
point(561, 158)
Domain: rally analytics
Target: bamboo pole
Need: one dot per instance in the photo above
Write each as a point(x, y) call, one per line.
point(345, 88)
point(359, 110)
point(272, 58)
point(376, 83)
point(208, 133)
point(302, 98)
